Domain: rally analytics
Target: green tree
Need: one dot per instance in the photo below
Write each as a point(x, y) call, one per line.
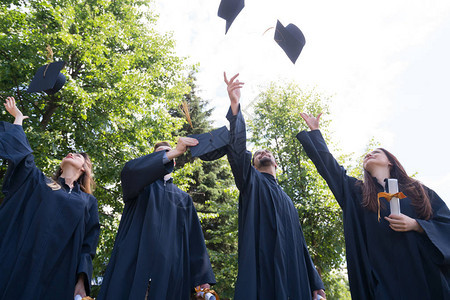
point(274, 118)
point(211, 186)
point(122, 80)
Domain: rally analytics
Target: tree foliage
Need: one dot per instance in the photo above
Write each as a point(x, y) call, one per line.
point(274, 118)
point(123, 93)
point(122, 80)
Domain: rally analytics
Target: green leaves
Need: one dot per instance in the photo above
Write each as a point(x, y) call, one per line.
point(122, 80)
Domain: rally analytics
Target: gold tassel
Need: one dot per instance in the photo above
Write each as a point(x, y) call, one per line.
point(49, 53)
point(185, 109)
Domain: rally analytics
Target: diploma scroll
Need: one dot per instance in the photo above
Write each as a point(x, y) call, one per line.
point(78, 297)
point(206, 296)
point(206, 293)
point(395, 202)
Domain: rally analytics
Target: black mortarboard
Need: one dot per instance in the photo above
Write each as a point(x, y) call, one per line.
point(48, 78)
point(229, 9)
point(211, 145)
point(290, 39)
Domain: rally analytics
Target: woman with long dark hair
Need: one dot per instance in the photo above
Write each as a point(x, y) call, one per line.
point(49, 227)
point(389, 256)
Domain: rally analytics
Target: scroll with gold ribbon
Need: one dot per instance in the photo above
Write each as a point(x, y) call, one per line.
point(394, 203)
point(393, 197)
point(207, 294)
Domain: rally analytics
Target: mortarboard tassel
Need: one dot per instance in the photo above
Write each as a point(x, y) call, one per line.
point(185, 109)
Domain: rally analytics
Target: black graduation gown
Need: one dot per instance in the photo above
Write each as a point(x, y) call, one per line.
point(159, 237)
point(47, 238)
point(382, 263)
point(274, 262)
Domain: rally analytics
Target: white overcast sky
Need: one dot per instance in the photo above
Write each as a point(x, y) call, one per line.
point(385, 63)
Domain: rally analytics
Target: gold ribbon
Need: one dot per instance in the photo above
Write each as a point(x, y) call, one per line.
point(206, 290)
point(388, 197)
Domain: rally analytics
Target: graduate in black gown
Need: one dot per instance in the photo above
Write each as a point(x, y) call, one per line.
point(404, 256)
point(159, 252)
point(274, 262)
point(49, 228)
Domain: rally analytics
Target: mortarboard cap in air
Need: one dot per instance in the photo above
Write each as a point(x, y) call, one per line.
point(211, 145)
point(48, 78)
point(290, 39)
point(229, 9)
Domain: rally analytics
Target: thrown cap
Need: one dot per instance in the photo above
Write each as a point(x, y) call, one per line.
point(229, 9)
point(290, 39)
point(211, 145)
point(48, 78)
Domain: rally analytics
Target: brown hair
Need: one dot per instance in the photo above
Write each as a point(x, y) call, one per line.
point(86, 180)
point(411, 187)
point(157, 145)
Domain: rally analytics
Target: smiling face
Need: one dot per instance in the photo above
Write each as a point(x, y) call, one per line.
point(376, 159)
point(75, 160)
point(263, 158)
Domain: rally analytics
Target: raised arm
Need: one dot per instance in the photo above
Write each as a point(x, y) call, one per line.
point(10, 105)
point(238, 156)
point(140, 172)
point(327, 166)
point(14, 148)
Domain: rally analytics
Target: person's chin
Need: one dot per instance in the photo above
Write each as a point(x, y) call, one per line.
point(265, 162)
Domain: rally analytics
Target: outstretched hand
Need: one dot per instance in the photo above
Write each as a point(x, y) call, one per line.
point(234, 91)
point(185, 142)
point(311, 121)
point(10, 105)
point(182, 146)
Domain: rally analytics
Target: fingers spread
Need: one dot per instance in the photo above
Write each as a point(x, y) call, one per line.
point(234, 77)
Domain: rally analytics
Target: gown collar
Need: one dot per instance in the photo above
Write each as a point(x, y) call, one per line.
point(269, 176)
point(378, 186)
point(76, 186)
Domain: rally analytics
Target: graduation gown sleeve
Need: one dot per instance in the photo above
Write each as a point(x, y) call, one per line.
point(200, 265)
point(438, 227)
point(327, 166)
point(141, 172)
point(343, 189)
point(14, 147)
point(89, 246)
point(238, 156)
point(315, 282)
